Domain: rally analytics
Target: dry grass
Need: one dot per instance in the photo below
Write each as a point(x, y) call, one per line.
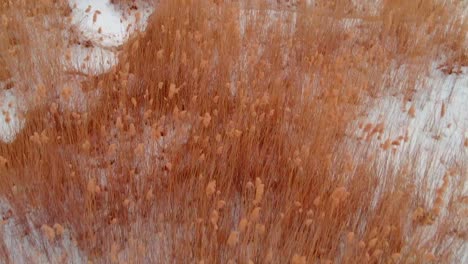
point(223, 136)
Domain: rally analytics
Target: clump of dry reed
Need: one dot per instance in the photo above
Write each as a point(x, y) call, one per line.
point(222, 136)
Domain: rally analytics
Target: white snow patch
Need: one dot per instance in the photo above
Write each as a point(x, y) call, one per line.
point(92, 60)
point(116, 26)
point(10, 120)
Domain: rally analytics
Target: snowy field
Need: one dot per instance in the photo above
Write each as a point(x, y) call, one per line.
point(107, 28)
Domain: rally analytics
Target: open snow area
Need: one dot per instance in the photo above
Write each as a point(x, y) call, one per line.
point(11, 122)
point(103, 24)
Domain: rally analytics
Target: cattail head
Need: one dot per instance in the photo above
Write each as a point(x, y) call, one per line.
point(168, 166)
point(112, 149)
point(160, 56)
point(260, 188)
point(387, 144)
point(377, 253)
point(214, 217)
point(7, 118)
point(202, 157)
point(132, 130)
point(243, 224)
point(44, 138)
point(317, 201)
point(48, 232)
point(362, 244)
point(255, 214)
point(95, 15)
point(59, 229)
point(172, 91)
point(260, 229)
point(372, 243)
point(76, 116)
point(149, 195)
point(206, 119)
point(220, 205)
point(66, 93)
point(156, 132)
point(53, 108)
point(412, 112)
point(219, 150)
point(429, 257)
point(442, 110)
point(233, 238)
point(297, 259)
point(86, 145)
point(5, 20)
point(339, 194)
point(210, 188)
point(418, 214)
point(119, 123)
point(386, 230)
point(396, 257)
point(147, 114)
point(237, 133)
point(140, 149)
point(92, 186)
point(41, 91)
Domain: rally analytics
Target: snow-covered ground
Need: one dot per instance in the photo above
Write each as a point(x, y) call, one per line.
point(104, 24)
point(27, 249)
point(10, 122)
point(107, 28)
point(440, 123)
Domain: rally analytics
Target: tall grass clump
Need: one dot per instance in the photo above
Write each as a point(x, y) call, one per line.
point(227, 134)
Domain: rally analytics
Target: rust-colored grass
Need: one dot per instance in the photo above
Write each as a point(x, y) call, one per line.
point(226, 135)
